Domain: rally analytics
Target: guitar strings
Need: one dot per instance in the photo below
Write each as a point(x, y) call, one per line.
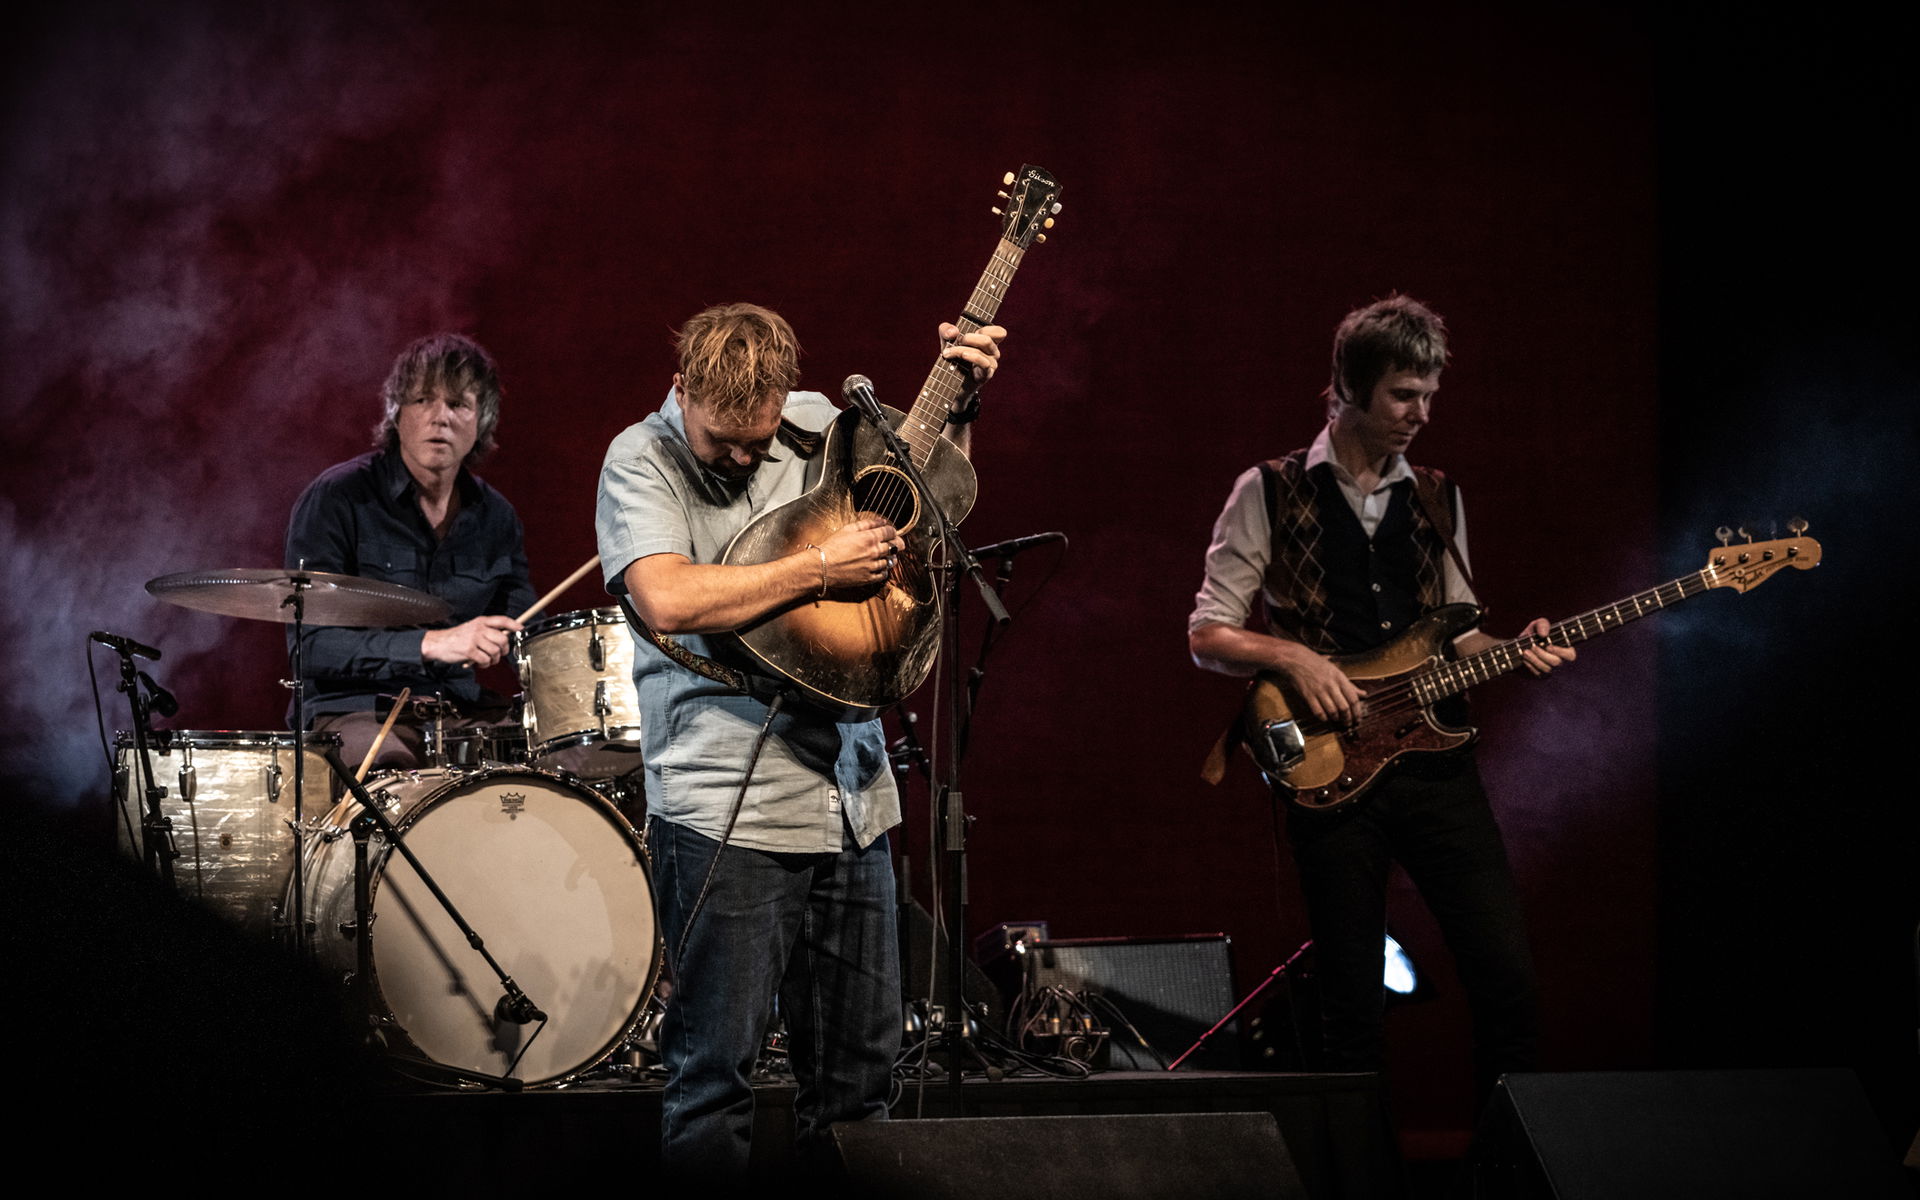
point(1452, 678)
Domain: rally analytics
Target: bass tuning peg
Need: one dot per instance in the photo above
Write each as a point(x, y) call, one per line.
point(1796, 525)
point(1724, 534)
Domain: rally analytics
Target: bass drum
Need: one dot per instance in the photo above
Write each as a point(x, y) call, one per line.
point(550, 877)
point(230, 798)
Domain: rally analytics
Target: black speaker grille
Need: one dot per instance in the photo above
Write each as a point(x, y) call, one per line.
point(1171, 989)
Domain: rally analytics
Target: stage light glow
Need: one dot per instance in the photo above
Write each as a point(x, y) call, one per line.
point(1400, 978)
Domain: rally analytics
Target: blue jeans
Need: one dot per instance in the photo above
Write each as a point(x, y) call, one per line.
point(818, 929)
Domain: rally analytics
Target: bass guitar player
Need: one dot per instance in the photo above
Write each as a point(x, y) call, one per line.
point(1348, 545)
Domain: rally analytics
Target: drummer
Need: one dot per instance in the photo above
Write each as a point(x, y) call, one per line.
point(412, 512)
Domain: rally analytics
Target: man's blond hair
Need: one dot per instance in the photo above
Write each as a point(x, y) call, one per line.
point(734, 357)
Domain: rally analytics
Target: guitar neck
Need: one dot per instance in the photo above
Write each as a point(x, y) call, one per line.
point(1452, 678)
point(929, 414)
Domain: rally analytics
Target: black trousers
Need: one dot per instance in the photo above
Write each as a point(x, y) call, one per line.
point(1432, 817)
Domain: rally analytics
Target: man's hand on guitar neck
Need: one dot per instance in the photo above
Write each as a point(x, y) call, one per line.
point(1539, 659)
point(980, 350)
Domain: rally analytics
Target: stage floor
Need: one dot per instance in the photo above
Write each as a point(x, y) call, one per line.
point(1334, 1126)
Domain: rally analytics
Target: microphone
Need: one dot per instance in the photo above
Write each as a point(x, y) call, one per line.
point(1013, 546)
point(162, 700)
point(513, 1008)
point(124, 645)
point(858, 391)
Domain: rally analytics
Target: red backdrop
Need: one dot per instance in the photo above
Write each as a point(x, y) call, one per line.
point(223, 221)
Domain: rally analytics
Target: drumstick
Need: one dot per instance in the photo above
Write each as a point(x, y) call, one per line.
point(399, 703)
point(553, 595)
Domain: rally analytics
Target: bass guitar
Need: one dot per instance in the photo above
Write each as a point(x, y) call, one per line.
point(856, 651)
point(1324, 765)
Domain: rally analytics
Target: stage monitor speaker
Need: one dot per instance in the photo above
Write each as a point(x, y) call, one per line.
point(1171, 989)
point(1684, 1135)
point(1165, 1156)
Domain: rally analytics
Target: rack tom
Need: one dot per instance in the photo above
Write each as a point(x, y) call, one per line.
point(580, 710)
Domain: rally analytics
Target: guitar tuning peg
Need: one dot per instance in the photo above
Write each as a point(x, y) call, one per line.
point(1003, 195)
point(996, 212)
point(1047, 224)
point(1007, 179)
point(1796, 525)
point(1039, 237)
point(1745, 532)
point(1724, 534)
point(1055, 210)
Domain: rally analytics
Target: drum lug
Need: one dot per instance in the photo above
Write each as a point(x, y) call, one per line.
point(350, 928)
point(189, 778)
point(273, 780)
point(602, 707)
point(596, 650)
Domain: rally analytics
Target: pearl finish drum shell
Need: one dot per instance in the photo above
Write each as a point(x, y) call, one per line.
point(552, 879)
point(563, 693)
point(231, 823)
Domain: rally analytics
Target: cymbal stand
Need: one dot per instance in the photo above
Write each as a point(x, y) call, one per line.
point(297, 600)
point(513, 1006)
point(157, 850)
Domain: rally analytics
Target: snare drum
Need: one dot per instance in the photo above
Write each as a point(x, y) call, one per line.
point(576, 675)
point(543, 869)
point(472, 746)
point(230, 798)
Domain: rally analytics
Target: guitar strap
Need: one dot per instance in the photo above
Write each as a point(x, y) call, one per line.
point(1429, 488)
point(699, 664)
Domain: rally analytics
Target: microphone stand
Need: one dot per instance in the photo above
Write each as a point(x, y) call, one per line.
point(514, 1004)
point(950, 816)
point(157, 850)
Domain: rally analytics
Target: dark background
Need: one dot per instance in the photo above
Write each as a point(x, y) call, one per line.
point(1669, 247)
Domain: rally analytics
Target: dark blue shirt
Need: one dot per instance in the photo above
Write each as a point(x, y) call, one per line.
point(363, 518)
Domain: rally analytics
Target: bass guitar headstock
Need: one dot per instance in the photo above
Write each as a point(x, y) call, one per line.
point(1031, 207)
point(1748, 564)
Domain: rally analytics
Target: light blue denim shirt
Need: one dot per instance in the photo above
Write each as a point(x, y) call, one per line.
point(819, 784)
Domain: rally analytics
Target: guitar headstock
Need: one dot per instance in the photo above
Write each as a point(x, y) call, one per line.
point(1031, 207)
point(1748, 564)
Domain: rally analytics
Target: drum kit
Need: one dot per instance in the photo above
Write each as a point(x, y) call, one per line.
point(505, 868)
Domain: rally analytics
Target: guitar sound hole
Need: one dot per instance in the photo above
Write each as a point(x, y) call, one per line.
point(887, 492)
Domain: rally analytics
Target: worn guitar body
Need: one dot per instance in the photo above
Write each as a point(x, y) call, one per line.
point(1338, 765)
point(858, 650)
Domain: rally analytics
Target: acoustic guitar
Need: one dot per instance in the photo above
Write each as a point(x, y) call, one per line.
point(1325, 765)
point(857, 651)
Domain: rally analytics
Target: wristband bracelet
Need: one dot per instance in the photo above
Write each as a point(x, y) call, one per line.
point(967, 414)
point(823, 569)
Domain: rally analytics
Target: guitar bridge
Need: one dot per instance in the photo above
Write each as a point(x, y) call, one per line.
point(1283, 743)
